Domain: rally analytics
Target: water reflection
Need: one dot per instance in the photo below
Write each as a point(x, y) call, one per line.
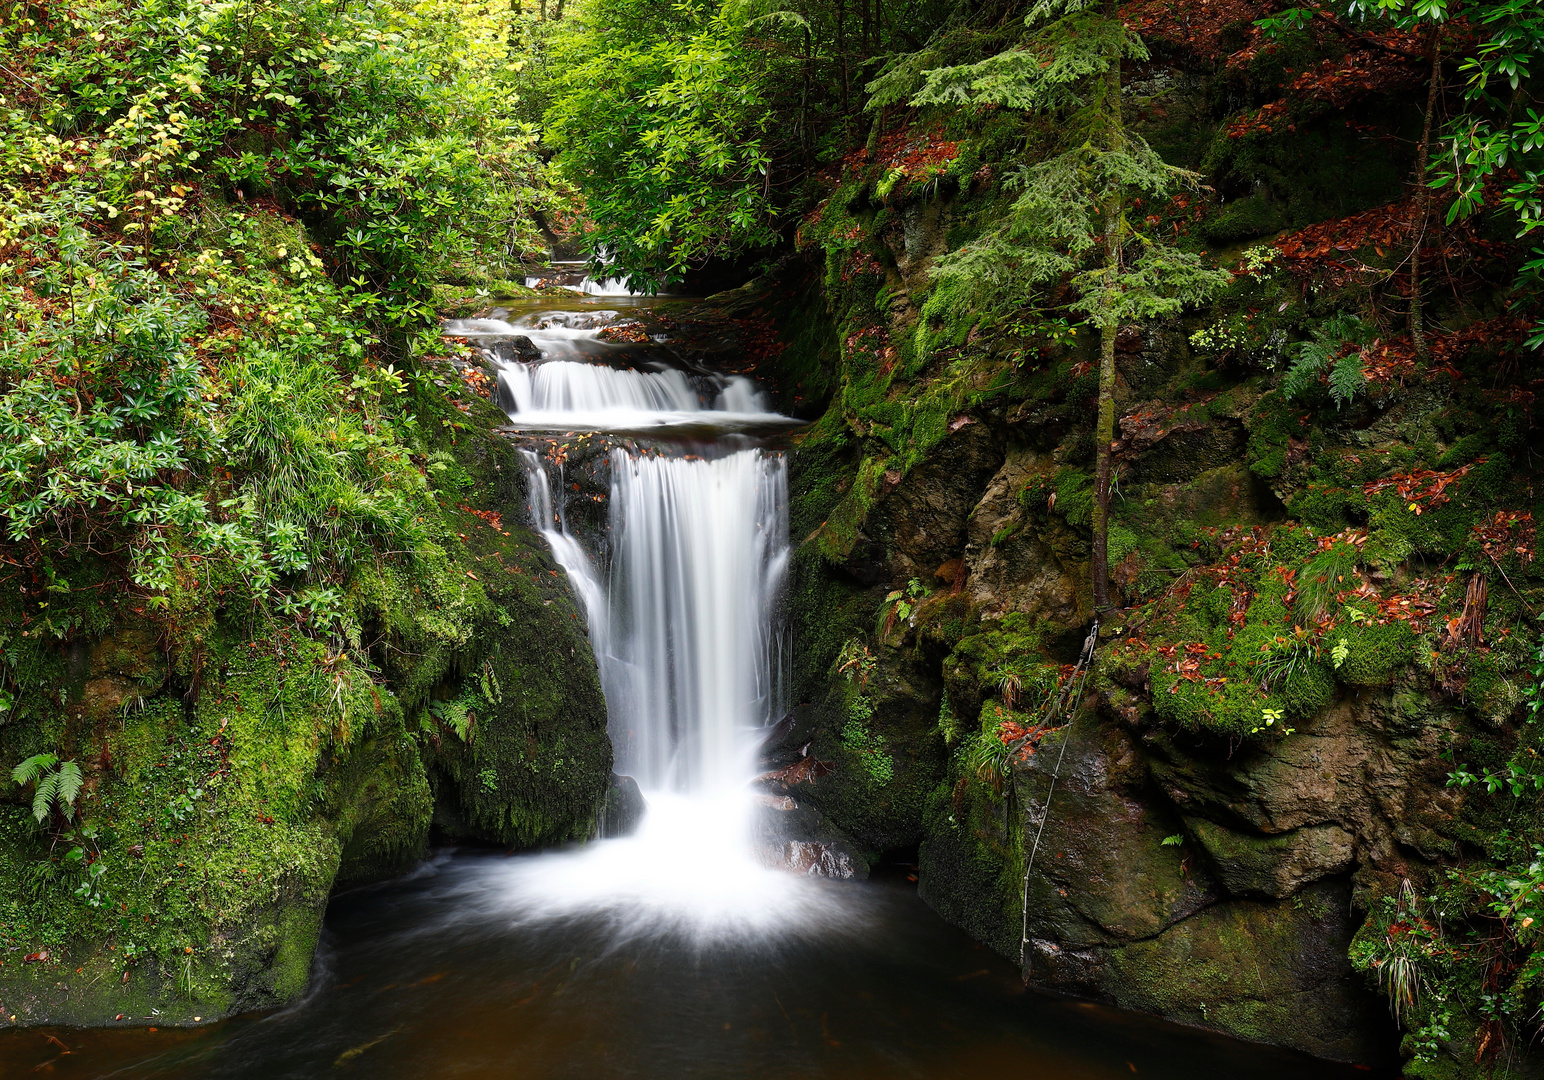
point(460, 972)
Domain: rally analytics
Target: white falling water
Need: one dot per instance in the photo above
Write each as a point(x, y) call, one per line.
point(683, 623)
point(572, 388)
point(565, 395)
point(552, 523)
point(566, 387)
point(698, 552)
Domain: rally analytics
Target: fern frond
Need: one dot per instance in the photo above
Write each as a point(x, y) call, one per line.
point(1347, 378)
point(43, 799)
point(1330, 339)
point(1304, 373)
point(33, 767)
point(68, 783)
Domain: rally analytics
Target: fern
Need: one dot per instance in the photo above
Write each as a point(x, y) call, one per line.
point(1304, 373)
point(1346, 378)
point(1322, 353)
point(456, 715)
point(33, 767)
point(58, 783)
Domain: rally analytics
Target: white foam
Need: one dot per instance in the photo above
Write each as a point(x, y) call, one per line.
point(689, 873)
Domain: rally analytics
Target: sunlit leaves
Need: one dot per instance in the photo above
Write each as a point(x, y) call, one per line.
point(667, 138)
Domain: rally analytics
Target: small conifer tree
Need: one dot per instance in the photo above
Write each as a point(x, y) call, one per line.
point(1069, 220)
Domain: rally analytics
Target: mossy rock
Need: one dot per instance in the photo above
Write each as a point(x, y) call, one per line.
point(1376, 653)
point(1269, 971)
point(1245, 219)
point(1249, 864)
point(971, 862)
point(537, 765)
point(231, 785)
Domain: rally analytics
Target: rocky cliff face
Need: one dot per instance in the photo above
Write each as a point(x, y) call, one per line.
point(1265, 768)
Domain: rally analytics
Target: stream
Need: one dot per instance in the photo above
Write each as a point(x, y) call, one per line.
point(683, 950)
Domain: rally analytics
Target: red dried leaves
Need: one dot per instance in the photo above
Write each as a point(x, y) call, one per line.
point(1422, 489)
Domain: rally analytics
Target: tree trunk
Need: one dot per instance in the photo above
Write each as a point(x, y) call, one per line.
point(1104, 429)
point(1109, 327)
point(804, 95)
point(1423, 206)
point(841, 47)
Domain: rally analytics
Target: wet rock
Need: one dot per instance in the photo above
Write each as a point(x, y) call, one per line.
point(1238, 929)
point(921, 522)
point(1266, 970)
point(624, 808)
point(1274, 866)
point(793, 835)
point(128, 664)
point(786, 742)
point(1103, 873)
point(1369, 764)
point(515, 349)
point(1014, 569)
point(816, 859)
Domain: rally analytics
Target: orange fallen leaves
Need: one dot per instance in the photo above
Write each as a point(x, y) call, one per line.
point(1422, 489)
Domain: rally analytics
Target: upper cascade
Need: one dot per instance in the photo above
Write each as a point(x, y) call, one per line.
point(573, 385)
point(564, 387)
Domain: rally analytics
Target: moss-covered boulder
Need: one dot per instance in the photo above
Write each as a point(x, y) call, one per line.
point(240, 766)
point(1130, 902)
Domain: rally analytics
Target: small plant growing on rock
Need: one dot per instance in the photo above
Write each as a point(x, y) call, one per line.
point(987, 759)
point(1217, 338)
point(57, 783)
point(1334, 351)
point(1259, 258)
point(1397, 946)
point(1339, 653)
point(900, 604)
point(1331, 571)
point(1534, 696)
point(856, 662)
point(1268, 719)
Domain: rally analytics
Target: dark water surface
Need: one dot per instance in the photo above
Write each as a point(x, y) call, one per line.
point(432, 976)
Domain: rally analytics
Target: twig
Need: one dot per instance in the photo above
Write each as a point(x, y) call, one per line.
point(1509, 585)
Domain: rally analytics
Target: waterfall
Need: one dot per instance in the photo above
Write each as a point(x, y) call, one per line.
point(680, 591)
point(580, 382)
point(552, 522)
point(699, 547)
point(683, 624)
point(680, 602)
point(564, 394)
point(566, 387)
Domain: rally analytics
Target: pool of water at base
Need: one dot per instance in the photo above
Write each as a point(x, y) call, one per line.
point(435, 975)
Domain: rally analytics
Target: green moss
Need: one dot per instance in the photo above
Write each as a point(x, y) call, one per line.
point(1245, 219)
point(1006, 659)
point(231, 790)
point(868, 750)
point(1376, 652)
point(972, 862)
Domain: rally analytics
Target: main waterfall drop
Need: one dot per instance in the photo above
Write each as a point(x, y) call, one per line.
point(683, 623)
point(699, 546)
